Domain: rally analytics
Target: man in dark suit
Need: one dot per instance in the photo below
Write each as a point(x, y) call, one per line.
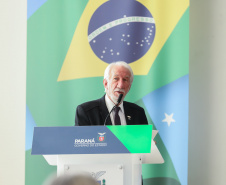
point(118, 78)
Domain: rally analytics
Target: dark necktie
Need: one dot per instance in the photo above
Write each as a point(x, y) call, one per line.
point(117, 118)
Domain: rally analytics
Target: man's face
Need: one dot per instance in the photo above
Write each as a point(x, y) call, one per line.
point(119, 83)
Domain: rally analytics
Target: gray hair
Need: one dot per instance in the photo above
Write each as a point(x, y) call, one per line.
point(74, 180)
point(118, 63)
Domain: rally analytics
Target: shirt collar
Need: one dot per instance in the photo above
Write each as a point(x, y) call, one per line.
point(110, 104)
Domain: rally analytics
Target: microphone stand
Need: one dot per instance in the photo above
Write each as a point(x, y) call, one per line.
point(119, 100)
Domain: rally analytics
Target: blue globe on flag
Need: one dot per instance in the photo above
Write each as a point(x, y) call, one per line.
point(121, 31)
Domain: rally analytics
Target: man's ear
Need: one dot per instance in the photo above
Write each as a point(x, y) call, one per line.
point(105, 82)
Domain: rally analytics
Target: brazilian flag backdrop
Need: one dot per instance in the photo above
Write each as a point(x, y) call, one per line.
point(70, 43)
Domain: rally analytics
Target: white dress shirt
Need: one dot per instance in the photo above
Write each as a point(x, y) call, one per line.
point(121, 112)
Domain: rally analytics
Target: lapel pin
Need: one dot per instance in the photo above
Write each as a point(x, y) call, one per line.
point(129, 117)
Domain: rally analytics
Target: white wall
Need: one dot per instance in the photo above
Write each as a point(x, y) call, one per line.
point(207, 138)
point(207, 124)
point(12, 90)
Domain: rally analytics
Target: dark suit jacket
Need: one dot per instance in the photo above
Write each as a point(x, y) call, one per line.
point(95, 112)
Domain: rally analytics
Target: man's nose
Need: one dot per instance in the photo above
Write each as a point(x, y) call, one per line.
point(121, 84)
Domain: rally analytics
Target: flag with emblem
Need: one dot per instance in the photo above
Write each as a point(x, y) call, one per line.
point(69, 45)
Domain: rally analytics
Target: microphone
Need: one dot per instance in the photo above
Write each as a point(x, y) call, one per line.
point(119, 100)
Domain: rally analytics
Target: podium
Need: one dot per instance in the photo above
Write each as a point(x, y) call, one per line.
point(111, 154)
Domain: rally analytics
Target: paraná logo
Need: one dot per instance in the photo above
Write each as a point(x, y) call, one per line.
point(101, 137)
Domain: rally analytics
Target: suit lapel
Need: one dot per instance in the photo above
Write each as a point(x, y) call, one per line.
point(128, 114)
point(104, 111)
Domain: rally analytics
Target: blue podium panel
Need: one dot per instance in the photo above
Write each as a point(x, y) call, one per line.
point(75, 140)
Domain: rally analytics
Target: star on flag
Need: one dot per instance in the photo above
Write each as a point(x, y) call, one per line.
point(169, 119)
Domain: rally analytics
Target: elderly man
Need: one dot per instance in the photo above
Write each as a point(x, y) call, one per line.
point(118, 78)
